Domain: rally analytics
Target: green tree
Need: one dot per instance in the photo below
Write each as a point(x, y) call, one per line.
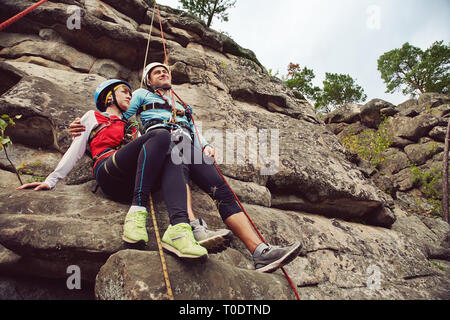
point(6, 120)
point(414, 71)
point(338, 89)
point(207, 9)
point(150, 3)
point(300, 81)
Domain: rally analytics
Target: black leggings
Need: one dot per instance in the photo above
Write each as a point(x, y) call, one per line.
point(143, 165)
point(203, 172)
point(128, 173)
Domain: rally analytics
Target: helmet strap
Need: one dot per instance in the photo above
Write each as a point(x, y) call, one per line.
point(114, 101)
point(153, 88)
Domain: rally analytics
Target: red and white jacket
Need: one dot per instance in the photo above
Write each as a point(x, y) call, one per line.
point(110, 137)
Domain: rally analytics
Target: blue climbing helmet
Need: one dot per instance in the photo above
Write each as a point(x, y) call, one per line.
point(105, 89)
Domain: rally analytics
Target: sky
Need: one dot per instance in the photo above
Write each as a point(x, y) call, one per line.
point(335, 36)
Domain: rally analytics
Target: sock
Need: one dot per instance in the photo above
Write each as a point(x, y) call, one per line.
point(136, 208)
point(195, 223)
point(259, 249)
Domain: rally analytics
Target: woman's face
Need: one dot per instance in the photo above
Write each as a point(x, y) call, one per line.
point(123, 97)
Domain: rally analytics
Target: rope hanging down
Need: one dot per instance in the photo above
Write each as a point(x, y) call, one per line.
point(161, 253)
point(148, 45)
point(20, 15)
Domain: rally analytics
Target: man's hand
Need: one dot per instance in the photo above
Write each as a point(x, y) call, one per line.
point(76, 128)
point(209, 151)
point(36, 185)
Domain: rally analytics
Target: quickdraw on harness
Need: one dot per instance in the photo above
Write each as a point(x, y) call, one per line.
point(172, 124)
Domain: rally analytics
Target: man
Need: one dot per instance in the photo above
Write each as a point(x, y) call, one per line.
point(155, 108)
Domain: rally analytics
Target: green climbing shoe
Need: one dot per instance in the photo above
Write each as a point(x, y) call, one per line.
point(180, 240)
point(134, 229)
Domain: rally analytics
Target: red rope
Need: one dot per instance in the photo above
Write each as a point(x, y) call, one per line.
point(238, 201)
point(20, 15)
point(166, 60)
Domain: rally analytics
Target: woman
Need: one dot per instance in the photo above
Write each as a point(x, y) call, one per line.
point(130, 170)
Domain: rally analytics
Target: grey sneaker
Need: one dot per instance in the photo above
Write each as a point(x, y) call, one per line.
point(274, 257)
point(213, 240)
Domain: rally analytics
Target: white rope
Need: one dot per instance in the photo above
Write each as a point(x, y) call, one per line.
point(148, 45)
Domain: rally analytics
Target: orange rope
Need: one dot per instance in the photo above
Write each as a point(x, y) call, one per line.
point(20, 15)
point(239, 202)
point(166, 60)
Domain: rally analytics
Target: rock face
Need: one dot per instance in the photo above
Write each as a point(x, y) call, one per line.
point(416, 129)
point(294, 176)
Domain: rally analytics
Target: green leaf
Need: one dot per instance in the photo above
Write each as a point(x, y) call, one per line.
point(5, 141)
point(3, 124)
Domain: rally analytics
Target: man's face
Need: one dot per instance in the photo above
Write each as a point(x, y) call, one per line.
point(160, 78)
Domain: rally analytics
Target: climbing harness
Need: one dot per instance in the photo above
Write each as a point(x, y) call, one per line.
point(19, 16)
point(130, 133)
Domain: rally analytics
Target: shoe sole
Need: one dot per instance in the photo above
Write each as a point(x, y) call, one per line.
point(130, 241)
point(216, 244)
point(173, 250)
point(288, 257)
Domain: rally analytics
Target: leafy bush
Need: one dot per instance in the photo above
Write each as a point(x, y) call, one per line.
point(427, 181)
point(370, 145)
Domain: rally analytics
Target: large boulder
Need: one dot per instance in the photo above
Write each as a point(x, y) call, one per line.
point(122, 278)
point(48, 101)
point(51, 50)
point(348, 113)
point(413, 128)
point(372, 112)
point(419, 153)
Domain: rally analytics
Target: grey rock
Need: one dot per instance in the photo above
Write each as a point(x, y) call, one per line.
point(371, 112)
point(438, 134)
point(434, 99)
point(123, 278)
point(395, 161)
point(413, 128)
point(419, 153)
point(348, 113)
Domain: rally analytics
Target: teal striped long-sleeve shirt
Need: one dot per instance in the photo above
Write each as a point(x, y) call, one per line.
point(160, 111)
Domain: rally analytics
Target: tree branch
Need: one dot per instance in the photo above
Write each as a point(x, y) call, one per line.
point(445, 176)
